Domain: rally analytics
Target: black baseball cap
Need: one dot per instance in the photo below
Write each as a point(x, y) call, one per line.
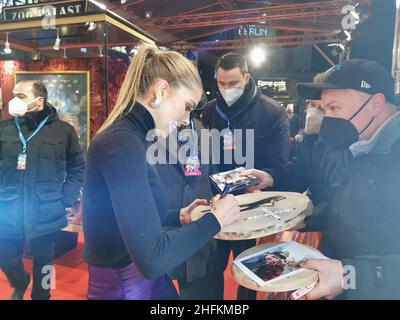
point(357, 74)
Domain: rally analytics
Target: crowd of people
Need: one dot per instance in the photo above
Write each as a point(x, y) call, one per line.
point(139, 233)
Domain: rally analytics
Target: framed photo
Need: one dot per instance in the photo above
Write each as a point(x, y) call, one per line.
point(277, 262)
point(234, 179)
point(69, 93)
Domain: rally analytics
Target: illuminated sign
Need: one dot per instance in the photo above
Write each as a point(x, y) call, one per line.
point(44, 9)
point(253, 31)
point(275, 88)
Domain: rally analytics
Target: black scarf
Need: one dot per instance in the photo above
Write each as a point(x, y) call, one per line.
point(33, 119)
point(242, 102)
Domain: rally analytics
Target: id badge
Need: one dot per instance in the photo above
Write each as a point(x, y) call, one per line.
point(192, 167)
point(21, 161)
point(229, 140)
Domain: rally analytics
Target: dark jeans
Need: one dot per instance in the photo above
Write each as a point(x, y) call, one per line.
point(238, 246)
point(42, 251)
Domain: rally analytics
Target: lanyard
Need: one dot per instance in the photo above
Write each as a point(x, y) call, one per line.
point(226, 118)
point(195, 146)
point(21, 136)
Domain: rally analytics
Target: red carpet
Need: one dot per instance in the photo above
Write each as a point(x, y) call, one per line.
point(72, 276)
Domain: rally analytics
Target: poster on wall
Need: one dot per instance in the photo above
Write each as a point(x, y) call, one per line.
point(68, 92)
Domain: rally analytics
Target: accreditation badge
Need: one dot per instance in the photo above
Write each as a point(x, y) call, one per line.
point(229, 140)
point(193, 167)
point(21, 162)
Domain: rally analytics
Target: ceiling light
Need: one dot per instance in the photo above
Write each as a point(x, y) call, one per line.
point(7, 49)
point(57, 42)
point(91, 26)
point(257, 56)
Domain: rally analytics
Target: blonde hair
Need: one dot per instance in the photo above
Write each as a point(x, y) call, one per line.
point(148, 65)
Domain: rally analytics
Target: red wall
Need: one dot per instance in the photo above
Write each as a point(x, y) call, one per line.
point(96, 66)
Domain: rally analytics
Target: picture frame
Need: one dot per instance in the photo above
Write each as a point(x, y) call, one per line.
point(69, 93)
point(275, 263)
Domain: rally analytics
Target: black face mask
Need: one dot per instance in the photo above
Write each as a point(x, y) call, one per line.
point(338, 133)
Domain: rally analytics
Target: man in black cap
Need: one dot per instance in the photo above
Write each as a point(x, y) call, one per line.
point(361, 222)
point(313, 168)
point(363, 218)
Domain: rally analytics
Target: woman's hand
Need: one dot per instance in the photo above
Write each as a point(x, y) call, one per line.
point(266, 180)
point(226, 210)
point(185, 215)
point(330, 274)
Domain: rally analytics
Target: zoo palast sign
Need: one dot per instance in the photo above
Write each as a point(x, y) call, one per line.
point(54, 9)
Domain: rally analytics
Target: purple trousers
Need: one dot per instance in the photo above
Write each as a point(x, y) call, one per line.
point(128, 284)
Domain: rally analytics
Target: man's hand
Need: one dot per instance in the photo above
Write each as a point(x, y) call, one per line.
point(330, 274)
point(266, 180)
point(185, 215)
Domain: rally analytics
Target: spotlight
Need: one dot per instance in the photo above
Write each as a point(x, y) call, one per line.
point(57, 42)
point(348, 35)
point(91, 26)
point(101, 52)
point(148, 15)
point(7, 49)
point(257, 56)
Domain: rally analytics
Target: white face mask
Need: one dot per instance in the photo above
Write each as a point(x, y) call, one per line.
point(18, 107)
point(231, 95)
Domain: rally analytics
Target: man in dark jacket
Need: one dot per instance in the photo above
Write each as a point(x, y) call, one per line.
point(41, 172)
point(363, 216)
point(240, 105)
point(294, 121)
point(200, 277)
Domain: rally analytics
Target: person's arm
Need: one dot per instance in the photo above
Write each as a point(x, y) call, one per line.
point(75, 169)
point(153, 250)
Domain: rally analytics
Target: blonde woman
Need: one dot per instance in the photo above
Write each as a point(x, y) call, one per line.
point(126, 247)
